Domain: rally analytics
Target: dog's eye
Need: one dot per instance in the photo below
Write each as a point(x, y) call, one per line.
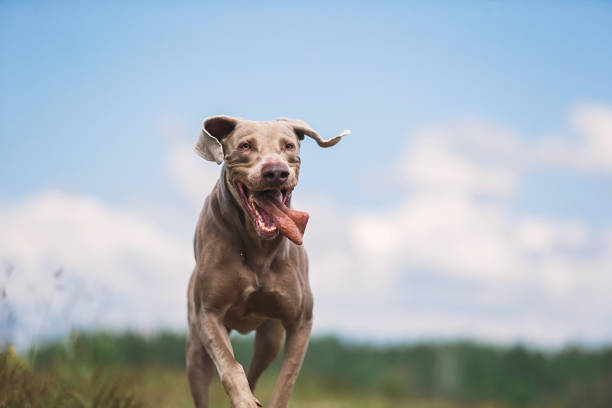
point(244, 146)
point(289, 146)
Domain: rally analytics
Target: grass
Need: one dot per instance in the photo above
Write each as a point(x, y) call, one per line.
point(75, 385)
point(127, 370)
point(151, 386)
point(22, 386)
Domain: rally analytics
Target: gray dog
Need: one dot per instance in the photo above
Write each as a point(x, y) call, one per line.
point(251, 271)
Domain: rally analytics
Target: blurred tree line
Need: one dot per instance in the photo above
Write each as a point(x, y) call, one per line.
point(457, 371)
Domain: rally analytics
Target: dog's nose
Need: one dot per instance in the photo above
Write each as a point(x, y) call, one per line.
point(275, 173)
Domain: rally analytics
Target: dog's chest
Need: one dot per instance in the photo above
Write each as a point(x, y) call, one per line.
point(271, 295)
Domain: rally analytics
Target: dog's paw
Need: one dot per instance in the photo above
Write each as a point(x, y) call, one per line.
point(250, 403)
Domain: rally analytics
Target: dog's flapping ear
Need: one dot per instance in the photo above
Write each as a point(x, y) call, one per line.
point(214, 130)
point(302, 128)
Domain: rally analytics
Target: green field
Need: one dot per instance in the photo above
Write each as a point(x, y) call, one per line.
point(131, 370)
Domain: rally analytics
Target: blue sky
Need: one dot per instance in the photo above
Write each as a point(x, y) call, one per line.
point(94, 100)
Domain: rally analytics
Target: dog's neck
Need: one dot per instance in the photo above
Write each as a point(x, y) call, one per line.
point(253, 248)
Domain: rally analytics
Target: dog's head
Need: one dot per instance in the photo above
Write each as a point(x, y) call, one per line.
point(262, 161)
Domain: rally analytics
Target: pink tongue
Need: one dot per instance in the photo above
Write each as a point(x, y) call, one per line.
point(290, 222)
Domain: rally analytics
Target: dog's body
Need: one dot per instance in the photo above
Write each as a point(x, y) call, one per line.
point(251, 271)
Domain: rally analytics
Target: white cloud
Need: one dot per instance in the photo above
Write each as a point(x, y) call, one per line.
point(122, 267)
point(457, 159)
point(449, 233)
point(594, 123)
point(589, 150)
point(498, 274)
point(192, 175)
point(540, 236)
point(119, 269)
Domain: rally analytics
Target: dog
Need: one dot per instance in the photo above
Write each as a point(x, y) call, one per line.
point(251, 270)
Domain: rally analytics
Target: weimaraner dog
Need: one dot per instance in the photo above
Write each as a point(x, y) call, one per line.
point(251, 270)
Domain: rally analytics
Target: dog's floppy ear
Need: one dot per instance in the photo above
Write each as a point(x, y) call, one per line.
point(302, 128)
point(214, 130)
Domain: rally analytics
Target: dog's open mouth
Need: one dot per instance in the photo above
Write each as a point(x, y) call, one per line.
point(271, 214)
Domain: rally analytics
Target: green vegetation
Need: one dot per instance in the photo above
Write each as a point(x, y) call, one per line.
point(131, 370)
point(68, 385)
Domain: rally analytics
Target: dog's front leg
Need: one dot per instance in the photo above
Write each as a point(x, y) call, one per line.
point(295, 349)
point(216, 340)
